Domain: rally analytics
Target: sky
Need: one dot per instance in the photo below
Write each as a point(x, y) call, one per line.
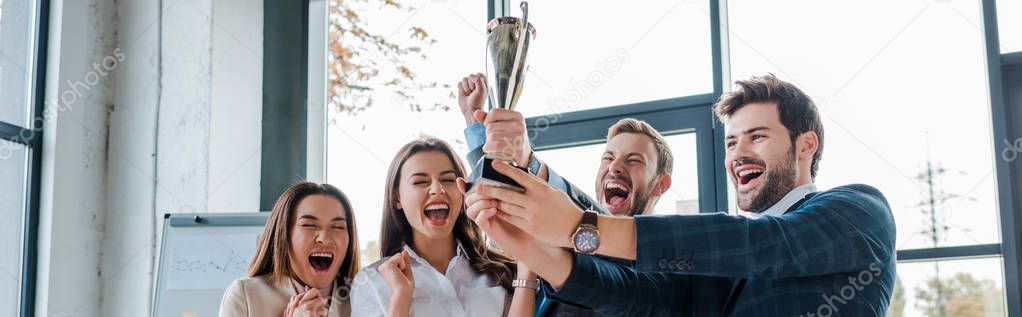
point(897, 83)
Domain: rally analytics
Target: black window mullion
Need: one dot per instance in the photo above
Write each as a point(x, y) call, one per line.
point(590, 126)
point(16, 134)
point(1003, 116)
point(31, 138)
point(949, 253)
point(34, 142)
point(690, 114)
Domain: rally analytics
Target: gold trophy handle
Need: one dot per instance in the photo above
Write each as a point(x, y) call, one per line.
point(519, 57)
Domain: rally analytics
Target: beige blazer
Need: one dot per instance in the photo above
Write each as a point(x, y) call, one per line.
point(257, 297)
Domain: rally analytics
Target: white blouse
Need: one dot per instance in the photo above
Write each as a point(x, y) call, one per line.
point(461, 292)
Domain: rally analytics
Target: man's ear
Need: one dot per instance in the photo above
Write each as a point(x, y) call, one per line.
point(663, 184)
point(806, 146)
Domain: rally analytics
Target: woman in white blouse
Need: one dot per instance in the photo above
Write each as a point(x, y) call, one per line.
point(305, 259)
point(435, 260)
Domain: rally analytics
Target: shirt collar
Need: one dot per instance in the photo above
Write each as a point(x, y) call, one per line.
point(789, 200)
point(460, 253)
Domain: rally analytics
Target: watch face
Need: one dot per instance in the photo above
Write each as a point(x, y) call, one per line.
point(586, 240)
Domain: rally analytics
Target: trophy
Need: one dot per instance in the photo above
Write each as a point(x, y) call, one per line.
point(507, 43)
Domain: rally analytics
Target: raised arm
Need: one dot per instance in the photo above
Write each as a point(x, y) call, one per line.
point(509, 125)
point(840, 230)
point(855, 222)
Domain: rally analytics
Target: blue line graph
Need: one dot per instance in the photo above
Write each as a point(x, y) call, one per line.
point(204, 260)
point(232, 263)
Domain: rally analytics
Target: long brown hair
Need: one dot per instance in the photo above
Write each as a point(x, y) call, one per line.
point(396, 232)
point(274, 251)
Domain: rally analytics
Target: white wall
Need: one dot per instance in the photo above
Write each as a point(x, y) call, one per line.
point(175, 127)
point(128, 235)
point(73, 203)
point(237, 117)
point(316, 103)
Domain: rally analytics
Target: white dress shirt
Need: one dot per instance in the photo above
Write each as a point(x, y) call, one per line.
point(460, 292)
point(789, 200)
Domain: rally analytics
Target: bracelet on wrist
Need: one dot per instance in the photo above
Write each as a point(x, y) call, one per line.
point(532, 284)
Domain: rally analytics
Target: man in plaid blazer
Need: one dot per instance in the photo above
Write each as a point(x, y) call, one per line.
point(803, 252)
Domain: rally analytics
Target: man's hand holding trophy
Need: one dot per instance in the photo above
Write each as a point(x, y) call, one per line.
point(507, 45)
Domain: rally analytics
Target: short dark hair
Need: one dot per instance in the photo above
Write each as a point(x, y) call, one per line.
point(797, 111)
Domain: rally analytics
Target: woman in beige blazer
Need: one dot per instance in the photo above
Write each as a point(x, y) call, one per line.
point(305, 261)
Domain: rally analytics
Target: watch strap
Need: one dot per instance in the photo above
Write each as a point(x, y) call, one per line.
point(532, 284)
point(589, 218)
point(534, 164)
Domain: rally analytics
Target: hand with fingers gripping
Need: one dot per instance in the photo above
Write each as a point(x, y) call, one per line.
point(506, 132)
point(309, 303)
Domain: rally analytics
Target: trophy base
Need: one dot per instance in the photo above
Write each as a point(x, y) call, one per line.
point(484, 173)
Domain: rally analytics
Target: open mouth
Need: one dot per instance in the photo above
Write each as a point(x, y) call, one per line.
point(321, 261)
point(747, 175)
point(615, 194)
point(437, 213)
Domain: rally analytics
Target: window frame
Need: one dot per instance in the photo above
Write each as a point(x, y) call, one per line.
point(1009, 249)
point(1007, 174)
point(32, 138)
point(586, 127)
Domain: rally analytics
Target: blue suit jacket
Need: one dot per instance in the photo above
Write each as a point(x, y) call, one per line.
point(831, 254)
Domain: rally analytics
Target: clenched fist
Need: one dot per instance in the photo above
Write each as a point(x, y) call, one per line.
point(471, 96)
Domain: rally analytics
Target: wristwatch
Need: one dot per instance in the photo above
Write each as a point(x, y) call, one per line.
point(530, 284)
point(586, 238)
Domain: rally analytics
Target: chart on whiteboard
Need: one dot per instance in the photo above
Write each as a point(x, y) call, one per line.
point(205, 261)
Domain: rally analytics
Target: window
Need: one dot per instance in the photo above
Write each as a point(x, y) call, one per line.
point(370, 138)
point(592, 54)
point(13, 160)
point(16, 53)
point(580, 165)
point(1009, 22)
point(666, 77)
point(887, 108)
point(20, 140)
point(901, 88)
point(971, 287)
point(905, 106)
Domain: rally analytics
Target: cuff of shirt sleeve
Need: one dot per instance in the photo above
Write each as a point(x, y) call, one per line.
point(475, 136)
point(554, 179)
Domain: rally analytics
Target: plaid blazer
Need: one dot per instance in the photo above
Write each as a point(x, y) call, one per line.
point(832, 254)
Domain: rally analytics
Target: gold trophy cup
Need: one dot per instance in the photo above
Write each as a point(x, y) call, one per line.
point(507, 44)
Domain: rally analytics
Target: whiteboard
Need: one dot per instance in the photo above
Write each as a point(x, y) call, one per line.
point(200, 255)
